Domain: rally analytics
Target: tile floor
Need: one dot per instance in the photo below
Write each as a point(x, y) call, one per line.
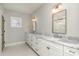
point(18, 50)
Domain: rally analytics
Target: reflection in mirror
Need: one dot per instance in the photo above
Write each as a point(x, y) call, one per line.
point(59, 19)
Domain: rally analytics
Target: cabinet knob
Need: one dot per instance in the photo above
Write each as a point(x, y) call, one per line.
point(71, 51)
point(48, 48)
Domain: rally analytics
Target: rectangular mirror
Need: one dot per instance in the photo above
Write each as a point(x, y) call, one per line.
point(59, 24)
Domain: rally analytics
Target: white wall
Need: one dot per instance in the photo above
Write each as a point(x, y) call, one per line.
point(44, 15)
point(13, 35)
point(44, 18)
point(72, 19)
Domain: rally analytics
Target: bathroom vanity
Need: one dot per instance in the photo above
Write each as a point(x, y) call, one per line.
point(45, 45)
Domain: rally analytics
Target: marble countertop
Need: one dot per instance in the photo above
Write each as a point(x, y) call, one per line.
point(59, 41)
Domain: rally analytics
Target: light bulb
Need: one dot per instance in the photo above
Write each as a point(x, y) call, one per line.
point(34, 18)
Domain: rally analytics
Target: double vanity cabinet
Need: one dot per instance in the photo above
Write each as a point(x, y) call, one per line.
point(43, 46)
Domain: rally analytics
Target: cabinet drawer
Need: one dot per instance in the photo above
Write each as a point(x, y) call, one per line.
point(70, 51)
point(48, 50)
point(53, 44)
point(54, 51)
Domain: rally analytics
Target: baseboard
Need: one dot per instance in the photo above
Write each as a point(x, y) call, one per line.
point(12, 44)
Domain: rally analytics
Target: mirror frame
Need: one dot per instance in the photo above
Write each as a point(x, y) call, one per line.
point(65, 22)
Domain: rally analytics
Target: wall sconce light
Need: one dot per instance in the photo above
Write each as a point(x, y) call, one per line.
point(34, 19)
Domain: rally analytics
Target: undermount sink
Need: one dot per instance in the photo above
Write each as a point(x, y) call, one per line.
point(72, 41)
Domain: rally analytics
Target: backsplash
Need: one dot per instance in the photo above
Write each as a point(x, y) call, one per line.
point(57, 35)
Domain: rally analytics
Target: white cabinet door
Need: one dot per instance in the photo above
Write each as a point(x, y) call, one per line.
point(68, 51)
point(43, 50)
point(50, 49)
point(54, 49)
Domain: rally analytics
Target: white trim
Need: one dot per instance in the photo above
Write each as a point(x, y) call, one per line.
point(12, 44)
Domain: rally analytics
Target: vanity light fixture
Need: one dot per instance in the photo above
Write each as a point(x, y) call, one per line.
point(34, 19)
point(58, 7)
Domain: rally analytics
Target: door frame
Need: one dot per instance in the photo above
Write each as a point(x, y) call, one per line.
point(3, 32)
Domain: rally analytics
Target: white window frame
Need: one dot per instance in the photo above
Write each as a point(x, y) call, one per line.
point(16, 22)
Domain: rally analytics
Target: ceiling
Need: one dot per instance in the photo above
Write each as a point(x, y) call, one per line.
point(28, 8)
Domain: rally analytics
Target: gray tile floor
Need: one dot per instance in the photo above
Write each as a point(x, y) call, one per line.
point(18, 50)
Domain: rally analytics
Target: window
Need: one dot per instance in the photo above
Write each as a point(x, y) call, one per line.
point(16, 22)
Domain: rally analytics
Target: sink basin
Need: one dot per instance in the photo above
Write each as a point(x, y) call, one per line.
point(72, 41)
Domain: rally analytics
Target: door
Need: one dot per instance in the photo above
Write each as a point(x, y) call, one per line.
point(3, 31)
